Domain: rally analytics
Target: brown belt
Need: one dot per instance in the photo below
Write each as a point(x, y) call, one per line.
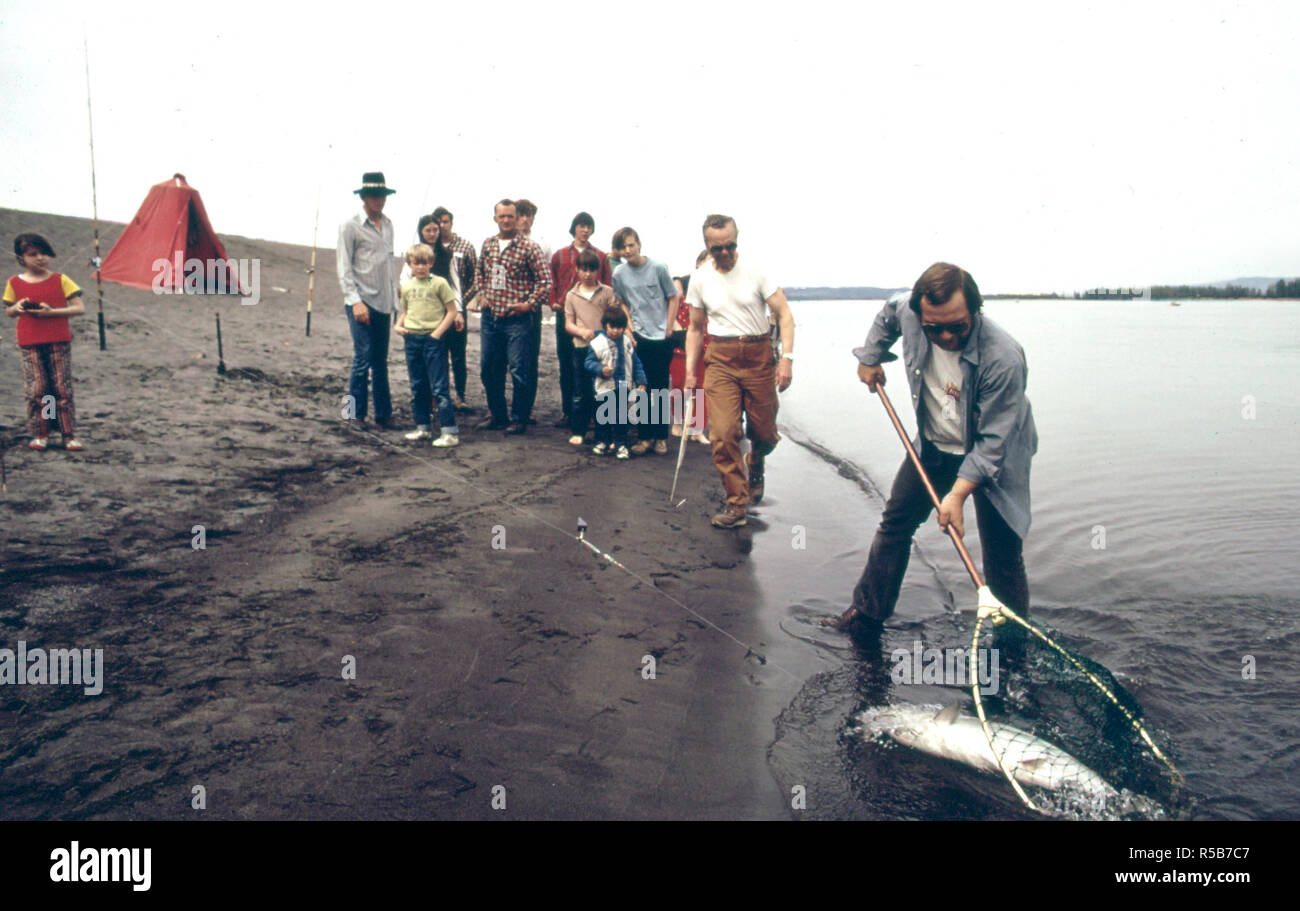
point(719, 339)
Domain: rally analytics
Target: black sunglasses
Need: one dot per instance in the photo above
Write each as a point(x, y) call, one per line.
point(940, 328)
point(718, 248)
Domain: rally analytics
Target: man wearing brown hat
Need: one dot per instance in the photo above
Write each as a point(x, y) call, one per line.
point(368, 279)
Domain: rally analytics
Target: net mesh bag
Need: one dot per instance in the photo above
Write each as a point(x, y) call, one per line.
point(1069, 735)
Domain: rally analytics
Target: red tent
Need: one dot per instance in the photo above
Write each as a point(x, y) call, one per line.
point(170, 245)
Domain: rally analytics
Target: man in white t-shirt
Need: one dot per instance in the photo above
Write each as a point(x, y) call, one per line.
point(740, 376)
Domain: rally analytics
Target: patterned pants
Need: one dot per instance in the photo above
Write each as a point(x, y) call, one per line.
point(47, 371)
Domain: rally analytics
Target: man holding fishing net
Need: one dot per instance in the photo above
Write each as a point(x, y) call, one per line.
point(976, 438)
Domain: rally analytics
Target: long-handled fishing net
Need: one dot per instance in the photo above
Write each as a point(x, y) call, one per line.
point(1081, 709)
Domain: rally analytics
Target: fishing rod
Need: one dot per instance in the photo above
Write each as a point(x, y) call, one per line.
point(681, 450)
point(581, 538)
point(990, 608)
point(94, 195)
point(311, 270)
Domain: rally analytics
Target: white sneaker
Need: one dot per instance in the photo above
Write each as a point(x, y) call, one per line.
point(623, 453)
point(598, 449)
point(419, 434)
point(575, 440)
point(447, 439)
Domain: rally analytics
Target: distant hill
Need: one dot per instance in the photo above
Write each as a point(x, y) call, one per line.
point(840, 294)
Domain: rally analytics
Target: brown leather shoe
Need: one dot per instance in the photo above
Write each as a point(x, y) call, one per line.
point(731, 517)
point(639, 448)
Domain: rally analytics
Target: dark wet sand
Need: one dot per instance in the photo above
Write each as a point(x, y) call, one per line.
point(475, 667)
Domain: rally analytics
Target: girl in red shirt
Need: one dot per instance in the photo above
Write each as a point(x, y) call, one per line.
point(42, 301)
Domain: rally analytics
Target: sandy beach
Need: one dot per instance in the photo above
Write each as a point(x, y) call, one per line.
point(330, 544)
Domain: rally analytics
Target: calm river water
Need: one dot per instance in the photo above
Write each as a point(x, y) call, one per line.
point(1165, 542)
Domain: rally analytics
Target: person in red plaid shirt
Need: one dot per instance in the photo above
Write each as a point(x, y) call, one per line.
point(514, 281)
point(564, 275)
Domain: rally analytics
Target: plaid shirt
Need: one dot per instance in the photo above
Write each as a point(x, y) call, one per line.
point(527, 276)
point(564, 272)
point(464, 262)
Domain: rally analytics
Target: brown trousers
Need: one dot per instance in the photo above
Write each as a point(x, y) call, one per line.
point(739, 377)
point(47, 370)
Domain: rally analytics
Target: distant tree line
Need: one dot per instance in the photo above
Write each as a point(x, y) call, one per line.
point(1227, 292)
point(1289, 288)
point(1281, 288)
point(1284, 288)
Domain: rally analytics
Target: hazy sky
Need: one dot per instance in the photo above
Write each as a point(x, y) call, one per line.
point(1041, 147)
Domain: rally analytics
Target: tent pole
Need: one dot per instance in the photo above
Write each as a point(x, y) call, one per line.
point(221, 357)
point(94, 195)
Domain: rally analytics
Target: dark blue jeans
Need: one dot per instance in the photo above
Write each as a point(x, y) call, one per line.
point(613, 432)
point(455, 342)
point(564, 353)
point(582, 405)
point(534, 354)
point(506, 339)
point(370, 361)
point(426, 365)
point(655, 355)
point(909, 505)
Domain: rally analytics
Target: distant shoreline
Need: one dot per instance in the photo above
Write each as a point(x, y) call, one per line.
point(879, 294)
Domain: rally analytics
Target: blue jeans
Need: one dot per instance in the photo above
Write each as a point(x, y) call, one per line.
point(370, 360)
point(455, 342)
point(564, 352)
point(655, 355)
point(582, 404)
point(426, 365)
point(534, 354)
point(507, 339)
point(613, 432)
